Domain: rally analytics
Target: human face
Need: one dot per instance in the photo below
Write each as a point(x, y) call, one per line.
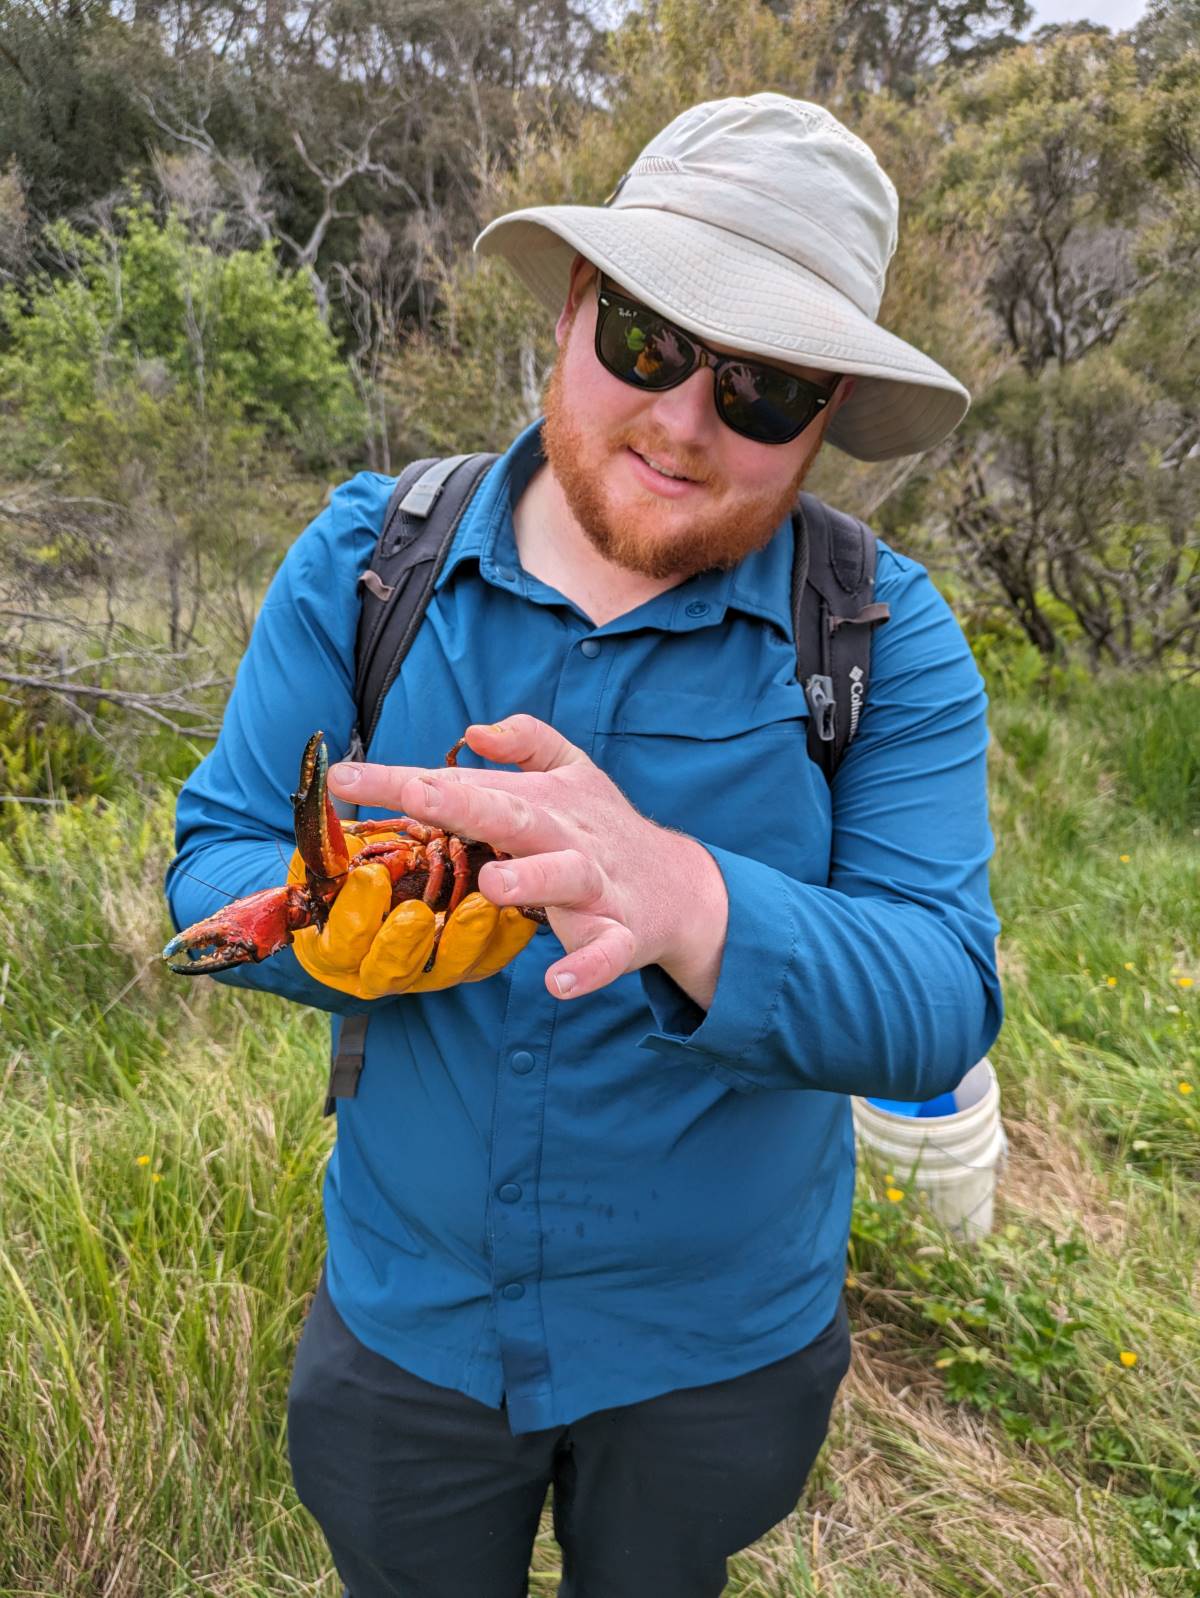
point(600, 434)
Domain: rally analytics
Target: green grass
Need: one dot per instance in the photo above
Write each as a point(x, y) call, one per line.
point(161, 1151)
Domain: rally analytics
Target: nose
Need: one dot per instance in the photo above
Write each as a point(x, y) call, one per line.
point(687, 412)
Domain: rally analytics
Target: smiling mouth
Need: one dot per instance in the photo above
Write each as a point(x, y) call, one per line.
point(663, 471)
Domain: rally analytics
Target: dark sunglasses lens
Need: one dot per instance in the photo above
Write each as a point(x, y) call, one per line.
point(639, 346)
point(764, 404)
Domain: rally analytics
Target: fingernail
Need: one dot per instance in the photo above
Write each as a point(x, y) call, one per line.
point(344, 774)
point(508, 879)
point(498, 726)
point(566, 982)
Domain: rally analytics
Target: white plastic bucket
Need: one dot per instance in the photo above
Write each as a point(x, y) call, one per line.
point(954, 1159)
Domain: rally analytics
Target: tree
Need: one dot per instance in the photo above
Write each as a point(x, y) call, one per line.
point(67, 121)
point(150, 373)
point(895, 44)
point(1072, 485)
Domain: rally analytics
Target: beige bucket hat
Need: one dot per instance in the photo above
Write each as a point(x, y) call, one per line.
point(763, 224)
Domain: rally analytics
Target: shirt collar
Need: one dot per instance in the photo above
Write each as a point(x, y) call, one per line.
point(759, 585)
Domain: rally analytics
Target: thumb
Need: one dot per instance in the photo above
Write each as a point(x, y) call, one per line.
point(523, 741)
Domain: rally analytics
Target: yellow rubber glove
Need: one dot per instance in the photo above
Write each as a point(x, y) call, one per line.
point(366, 951)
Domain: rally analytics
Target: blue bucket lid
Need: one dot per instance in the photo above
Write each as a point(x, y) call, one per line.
point(943, 1104)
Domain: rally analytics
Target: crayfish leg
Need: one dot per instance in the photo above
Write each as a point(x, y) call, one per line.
point(439, 927)
point(435, 855)
point(460, 860)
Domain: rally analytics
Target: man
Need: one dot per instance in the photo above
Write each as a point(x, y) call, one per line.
point(588, 1215)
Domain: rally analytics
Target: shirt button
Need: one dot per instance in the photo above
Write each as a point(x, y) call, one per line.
point(696, 608)
point(590, 648)
point(513, 1290)
point(522, 1061)
point(509, 1193)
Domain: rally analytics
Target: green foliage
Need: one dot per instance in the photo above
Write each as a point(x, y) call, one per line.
point(146, 316)
point(46, 754)
point(1070, 489)
point(1155, 745)
point(1099, 1065)
point(68, 120)
point(469, 384)
point(669, 54)
point(162, 1148)
point(1021, 1329)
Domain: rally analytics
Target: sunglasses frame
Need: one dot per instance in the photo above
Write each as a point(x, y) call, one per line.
point(703, 356)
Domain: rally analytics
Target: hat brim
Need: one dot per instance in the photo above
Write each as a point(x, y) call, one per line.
point(735, 291)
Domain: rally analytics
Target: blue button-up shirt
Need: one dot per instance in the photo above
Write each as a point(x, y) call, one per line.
point(574, 1206)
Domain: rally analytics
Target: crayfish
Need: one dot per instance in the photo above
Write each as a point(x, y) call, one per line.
point(423, 862)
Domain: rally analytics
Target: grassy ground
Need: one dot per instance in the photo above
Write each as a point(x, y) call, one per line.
point(161, 1149)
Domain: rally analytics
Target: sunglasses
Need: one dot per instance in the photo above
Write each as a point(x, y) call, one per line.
point(758, 401)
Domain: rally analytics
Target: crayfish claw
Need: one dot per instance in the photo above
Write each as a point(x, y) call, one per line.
point(203, 956)
point(253, 928)
point(319, 835)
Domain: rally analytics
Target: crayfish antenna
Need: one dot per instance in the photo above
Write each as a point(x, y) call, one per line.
point(319, 835)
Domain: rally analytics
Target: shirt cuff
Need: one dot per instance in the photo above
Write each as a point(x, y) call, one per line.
point(761, 945)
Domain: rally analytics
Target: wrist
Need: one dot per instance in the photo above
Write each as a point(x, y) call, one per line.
point(692, 957)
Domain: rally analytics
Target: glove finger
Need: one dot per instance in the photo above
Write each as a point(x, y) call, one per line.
point(480, 939)
point(342, 984)
point(481, 944)
point(400, 950)
point(355, 917)
point(466, 935)
point(512, 933)
point(306, 947)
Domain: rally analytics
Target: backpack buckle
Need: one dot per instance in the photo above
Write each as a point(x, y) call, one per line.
point(822, 706)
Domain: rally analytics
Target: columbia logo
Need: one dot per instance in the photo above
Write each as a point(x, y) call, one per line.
point(856, 697)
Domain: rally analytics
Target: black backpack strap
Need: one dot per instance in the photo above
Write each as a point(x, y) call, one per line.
point(346, 1062)
point(834, 613)
point(422, 517)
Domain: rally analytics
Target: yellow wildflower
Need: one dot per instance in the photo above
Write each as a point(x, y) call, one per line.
point(895, 1194)
point(143, 1159)
point(1125, 859)
point(1185, 982)
point(1129, 965)
point(156, 1176)
point(1185, 1087)
point(1128, 1358)
point(1110, 982)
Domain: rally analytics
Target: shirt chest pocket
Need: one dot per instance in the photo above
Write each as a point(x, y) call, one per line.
point(731, 770)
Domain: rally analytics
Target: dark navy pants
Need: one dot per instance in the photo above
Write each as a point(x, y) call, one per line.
point(422, 1492)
